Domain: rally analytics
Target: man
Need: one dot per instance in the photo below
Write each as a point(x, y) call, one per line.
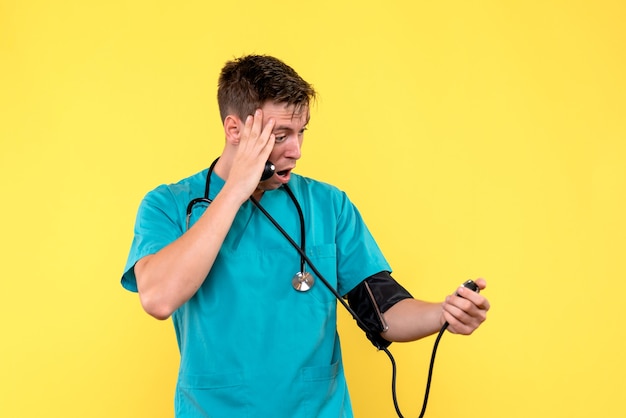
point(255, 323)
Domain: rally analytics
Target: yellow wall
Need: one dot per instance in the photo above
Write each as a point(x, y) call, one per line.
point(477, 138)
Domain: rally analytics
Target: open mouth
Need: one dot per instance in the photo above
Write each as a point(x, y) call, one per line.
point(283, 173)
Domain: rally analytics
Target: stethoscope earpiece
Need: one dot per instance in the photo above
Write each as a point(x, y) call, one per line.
point(268, 171)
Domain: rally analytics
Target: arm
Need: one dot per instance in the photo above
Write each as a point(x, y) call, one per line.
point(170, 277)
point(412, 319)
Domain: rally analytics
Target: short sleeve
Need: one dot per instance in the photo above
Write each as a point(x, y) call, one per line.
point(159, 222)
point(358, 254)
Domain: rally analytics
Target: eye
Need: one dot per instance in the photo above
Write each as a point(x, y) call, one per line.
point(280, 138)
point(302, 131)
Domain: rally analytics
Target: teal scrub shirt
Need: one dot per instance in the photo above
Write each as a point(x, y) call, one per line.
point(250, 345)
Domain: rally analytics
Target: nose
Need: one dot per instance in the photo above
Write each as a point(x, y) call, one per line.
point(293, 147)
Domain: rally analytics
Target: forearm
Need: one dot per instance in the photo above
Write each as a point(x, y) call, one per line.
point(170, 277)
point(412, 319)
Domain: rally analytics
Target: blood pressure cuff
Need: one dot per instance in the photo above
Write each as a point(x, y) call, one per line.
point(370, 299)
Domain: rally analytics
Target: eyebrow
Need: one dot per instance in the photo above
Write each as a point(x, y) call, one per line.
point(288, 128)
point(282, 128)
point(285, 128)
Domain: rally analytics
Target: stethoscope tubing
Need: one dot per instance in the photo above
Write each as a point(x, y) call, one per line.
point(308, 260)
point(301, 249)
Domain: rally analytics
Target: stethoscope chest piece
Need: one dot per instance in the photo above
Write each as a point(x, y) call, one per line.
point(302, 281)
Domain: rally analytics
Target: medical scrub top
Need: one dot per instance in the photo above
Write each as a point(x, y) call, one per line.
point(250, 344)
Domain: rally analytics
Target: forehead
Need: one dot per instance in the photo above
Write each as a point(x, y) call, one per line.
point(285, 114)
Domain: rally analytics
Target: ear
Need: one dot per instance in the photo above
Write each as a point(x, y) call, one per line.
point(232, 128)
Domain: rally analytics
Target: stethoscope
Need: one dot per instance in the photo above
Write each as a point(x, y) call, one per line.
point(302, 280)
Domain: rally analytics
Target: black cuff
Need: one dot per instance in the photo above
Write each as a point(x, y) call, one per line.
point(370, 299)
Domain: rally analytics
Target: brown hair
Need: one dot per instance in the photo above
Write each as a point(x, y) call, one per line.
point(246, 83)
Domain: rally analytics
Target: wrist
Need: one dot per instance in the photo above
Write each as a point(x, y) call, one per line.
point(233, 194)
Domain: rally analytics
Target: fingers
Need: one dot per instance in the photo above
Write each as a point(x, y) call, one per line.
point(254, 147)
point(475, 298)
point(256, 135)
point(466, 310)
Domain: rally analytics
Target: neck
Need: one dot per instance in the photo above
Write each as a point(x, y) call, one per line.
point(222, 167)
point(258, 194)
